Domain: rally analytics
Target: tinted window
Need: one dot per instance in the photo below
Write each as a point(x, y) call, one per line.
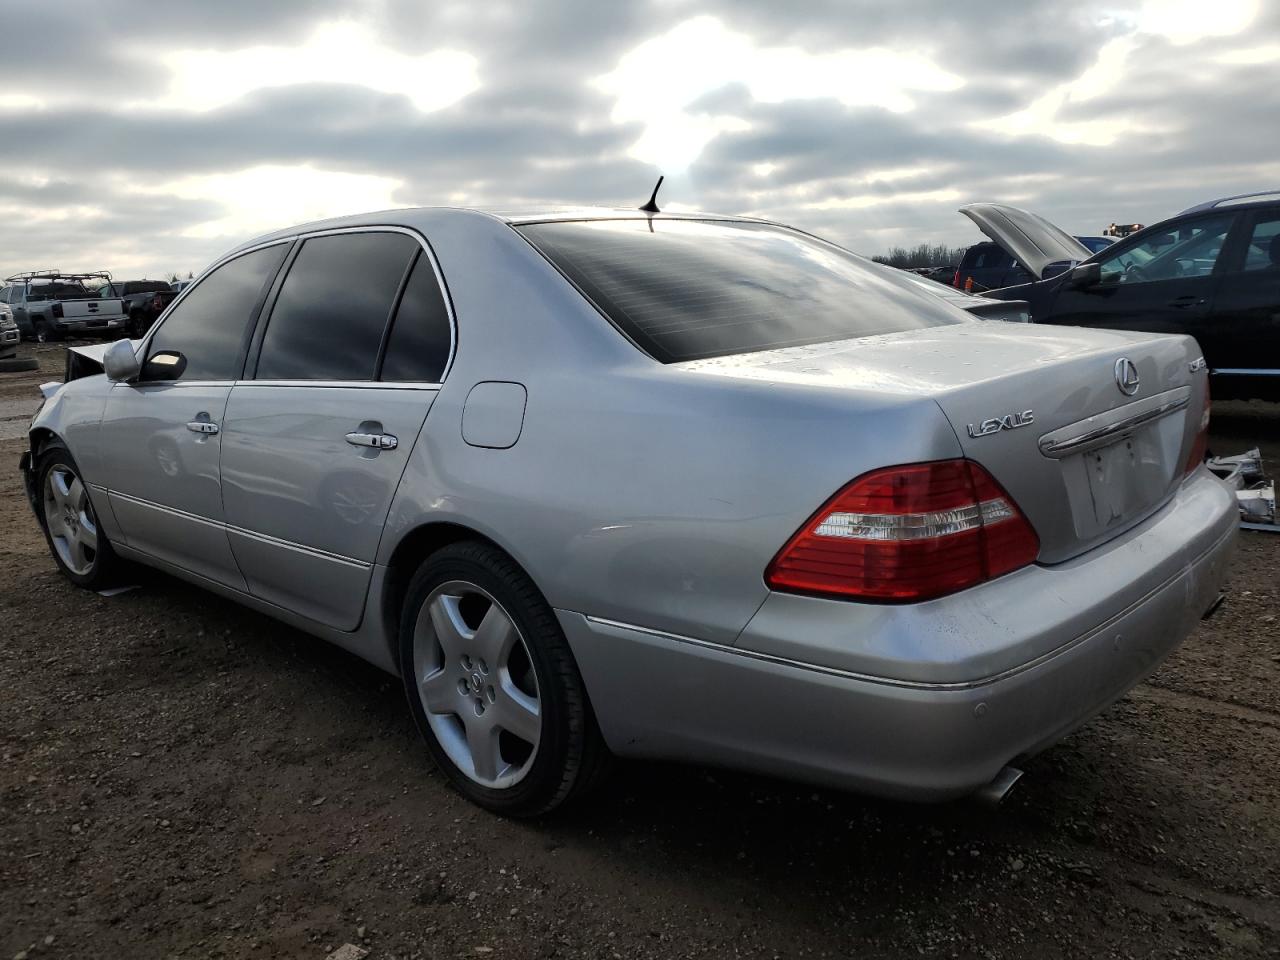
point(418, 347)
point(986, 256)
point(690, 289)
point(144, 286)
point(1263, 252)
point(1186, 250)
point(58, 290)
point(328, 321)
point(209, 326)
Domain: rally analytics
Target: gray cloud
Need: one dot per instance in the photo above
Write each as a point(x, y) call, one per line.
point(536, 132)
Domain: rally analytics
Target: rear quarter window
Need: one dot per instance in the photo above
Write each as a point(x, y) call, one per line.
point(691, 289)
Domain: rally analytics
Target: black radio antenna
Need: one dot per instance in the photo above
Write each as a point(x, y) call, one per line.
point(652, 205)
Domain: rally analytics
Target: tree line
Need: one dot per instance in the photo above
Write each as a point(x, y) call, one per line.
point(922, 255)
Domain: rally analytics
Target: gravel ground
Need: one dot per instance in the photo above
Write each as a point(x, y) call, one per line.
point(183, 778)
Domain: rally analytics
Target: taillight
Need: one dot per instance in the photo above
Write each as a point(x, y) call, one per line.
point(955, 281)
point(907, 533)
point(1200, 446)
point(56, 309)
point(157, 303)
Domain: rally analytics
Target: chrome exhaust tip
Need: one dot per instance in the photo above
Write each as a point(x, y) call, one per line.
point(999, 788)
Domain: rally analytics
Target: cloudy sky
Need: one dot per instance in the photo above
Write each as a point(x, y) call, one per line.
point(146, 138)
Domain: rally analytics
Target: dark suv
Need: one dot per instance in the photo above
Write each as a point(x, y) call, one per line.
point(1212, 271)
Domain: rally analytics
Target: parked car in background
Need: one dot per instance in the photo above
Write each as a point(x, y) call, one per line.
point(51, 305)
point(9, 333)
point(676, 486)
point(179, 285)
point(142, 301)
point(1096, 244)
point(1212, 271)
point(989, 266)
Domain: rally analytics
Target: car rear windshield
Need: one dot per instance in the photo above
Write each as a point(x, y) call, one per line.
point(144, 286)
point(58, 290)
point(692, 289)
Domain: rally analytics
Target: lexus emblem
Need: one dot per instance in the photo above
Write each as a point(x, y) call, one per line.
point(1127, 377)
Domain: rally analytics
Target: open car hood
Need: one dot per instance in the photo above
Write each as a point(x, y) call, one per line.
point(1031, 240)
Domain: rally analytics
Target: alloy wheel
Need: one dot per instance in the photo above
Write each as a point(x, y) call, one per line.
point(476, 682)
point(69, 517)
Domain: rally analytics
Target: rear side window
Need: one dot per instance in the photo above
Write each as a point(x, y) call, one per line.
point(418, 347)
point(209, 326)
point(692, 289)
point(328, 321)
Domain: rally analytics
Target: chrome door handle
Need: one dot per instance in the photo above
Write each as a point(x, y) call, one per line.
point(379, 441)
point(202, 426)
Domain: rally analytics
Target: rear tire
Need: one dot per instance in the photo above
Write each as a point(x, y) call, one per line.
point(46, 333)
point(493, 686)
point(79, 545)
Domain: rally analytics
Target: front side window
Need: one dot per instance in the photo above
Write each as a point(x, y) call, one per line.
point(1263, 252)
point(1186, 250)
point(209, 326)
point(418, 348)
point(328, 321)
point(692, 289)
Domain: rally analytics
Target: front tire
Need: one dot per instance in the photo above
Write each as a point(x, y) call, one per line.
point(493, 686)
point(79, 546)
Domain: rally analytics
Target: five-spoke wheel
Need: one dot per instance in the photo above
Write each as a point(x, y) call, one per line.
point(492, 684)
point(79, 546)
point(477, 684)
point(73, 531)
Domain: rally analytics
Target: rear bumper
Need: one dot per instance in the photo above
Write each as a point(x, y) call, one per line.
point(88, 327)
point(658, 695)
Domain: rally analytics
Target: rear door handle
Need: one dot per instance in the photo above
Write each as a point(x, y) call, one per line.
point(202, 426)
point(1190, 300)
point(379, 441)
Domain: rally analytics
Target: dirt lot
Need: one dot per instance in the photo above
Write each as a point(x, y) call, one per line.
point(183, 778)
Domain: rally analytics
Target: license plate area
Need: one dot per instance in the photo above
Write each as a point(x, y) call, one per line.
point(1113, 484)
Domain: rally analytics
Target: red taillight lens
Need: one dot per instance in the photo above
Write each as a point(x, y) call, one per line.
point(907, 533)
point(157, 303)
point(1200, 446)
point(955, 281)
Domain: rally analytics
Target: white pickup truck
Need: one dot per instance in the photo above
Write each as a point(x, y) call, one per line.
point(51, 305)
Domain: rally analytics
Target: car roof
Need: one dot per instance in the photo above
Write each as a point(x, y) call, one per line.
point(1264, 198)
point(424, 217)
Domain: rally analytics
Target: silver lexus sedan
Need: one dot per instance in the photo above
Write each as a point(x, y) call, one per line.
point(603, 483)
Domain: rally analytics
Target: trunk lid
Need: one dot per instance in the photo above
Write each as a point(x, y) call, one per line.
point(1040, 408)
point(1030, 239)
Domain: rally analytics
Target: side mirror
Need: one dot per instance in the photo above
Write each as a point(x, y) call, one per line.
point(1085, 275)
point(165, 365)
point(120, 363)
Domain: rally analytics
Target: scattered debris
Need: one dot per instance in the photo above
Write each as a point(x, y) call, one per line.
point(116, 591)
point(348, 951)
point(1255, 493)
